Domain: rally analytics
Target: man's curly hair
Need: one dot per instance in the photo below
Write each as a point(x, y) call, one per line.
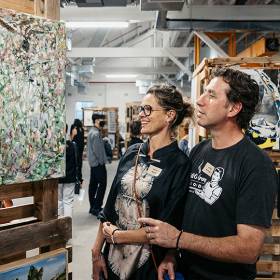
point(243, 89)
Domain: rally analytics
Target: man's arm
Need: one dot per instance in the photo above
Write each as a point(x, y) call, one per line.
point(244, 247)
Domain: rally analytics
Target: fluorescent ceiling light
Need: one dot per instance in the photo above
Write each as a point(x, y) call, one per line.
point(97, 24)
point(121, 75)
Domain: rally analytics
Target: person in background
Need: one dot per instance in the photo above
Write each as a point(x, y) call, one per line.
point(97, 159)
point(121, 145)
point(78, 138)
point(135, 131)
point(150, 182)
point(231, 190)
point(184, 143)
point(66, 185)
point(108, 149)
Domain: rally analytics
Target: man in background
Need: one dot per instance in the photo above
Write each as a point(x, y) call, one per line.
point(97, 160)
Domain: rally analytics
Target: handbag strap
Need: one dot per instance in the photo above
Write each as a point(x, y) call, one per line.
point(76, 159)
point(138, 200)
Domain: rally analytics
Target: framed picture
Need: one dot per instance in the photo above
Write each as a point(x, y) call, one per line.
point(87, 117)
point(47, 266)
point(112, 126)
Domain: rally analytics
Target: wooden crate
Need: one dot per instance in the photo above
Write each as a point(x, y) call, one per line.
point(268, 266)
point(34, 225)
point(48, 8)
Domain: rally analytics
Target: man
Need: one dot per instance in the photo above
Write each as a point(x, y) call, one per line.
point(231, 189)
point(97, 159)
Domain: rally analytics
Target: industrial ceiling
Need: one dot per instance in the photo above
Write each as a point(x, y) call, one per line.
point(169, 26)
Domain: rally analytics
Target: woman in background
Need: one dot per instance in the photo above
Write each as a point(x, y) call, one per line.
point(135, 131)
point(78, 138)
point(66, 184)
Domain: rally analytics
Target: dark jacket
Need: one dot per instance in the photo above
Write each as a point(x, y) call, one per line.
point(134, 140)
point(79, 138)
point(71, 167)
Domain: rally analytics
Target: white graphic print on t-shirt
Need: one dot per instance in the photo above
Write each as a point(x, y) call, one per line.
point(207, 190)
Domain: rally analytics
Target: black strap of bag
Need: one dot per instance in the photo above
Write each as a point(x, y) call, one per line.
point(138, 201)
point(77, 183)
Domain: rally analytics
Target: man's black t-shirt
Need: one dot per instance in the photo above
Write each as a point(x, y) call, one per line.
point(230, 186)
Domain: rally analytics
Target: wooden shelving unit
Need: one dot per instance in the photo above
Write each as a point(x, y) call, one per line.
point(111, 128)
point(131, 115)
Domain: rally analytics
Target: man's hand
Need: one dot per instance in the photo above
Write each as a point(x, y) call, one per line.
point(160, 233)
point(167, 266)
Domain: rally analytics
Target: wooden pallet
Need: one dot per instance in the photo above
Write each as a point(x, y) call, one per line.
point(34, 225)
point(268, 267)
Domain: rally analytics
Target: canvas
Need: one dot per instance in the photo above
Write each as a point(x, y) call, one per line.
point(47, 266)
point(264, 128)
point(32, 102)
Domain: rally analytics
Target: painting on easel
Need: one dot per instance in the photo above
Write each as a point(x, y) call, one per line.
point(47, 266)
point(32, 101)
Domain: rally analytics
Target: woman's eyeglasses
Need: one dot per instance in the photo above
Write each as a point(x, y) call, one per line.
point(147, 109)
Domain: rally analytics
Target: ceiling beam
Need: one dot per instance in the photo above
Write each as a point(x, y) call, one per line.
point(127, 52)
point(171, 56)
point(136, 70)
point(211, 44)
point(227, 13)
point(223, 18)
point(216, 26)
point(140, 38)
point(106, 14)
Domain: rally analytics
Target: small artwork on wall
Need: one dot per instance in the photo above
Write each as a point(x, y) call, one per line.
point(112, 126)
point(47, 266)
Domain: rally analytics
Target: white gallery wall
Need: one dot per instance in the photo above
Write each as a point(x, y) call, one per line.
point(103, 95)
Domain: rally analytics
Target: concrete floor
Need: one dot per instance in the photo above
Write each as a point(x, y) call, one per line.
point(85, 226)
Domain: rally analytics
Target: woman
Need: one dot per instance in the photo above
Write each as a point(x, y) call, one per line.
point(156, 189)
point(66, 184)
point(78, 138)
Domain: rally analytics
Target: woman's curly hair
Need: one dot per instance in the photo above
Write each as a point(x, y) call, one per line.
point(170, 98)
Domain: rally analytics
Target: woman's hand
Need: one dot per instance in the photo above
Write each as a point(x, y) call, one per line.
point(109, 232)
point(167, 266)
point(98, 267)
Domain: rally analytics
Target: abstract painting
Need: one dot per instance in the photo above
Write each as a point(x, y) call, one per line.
point(32, 101)
point(48, 266)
